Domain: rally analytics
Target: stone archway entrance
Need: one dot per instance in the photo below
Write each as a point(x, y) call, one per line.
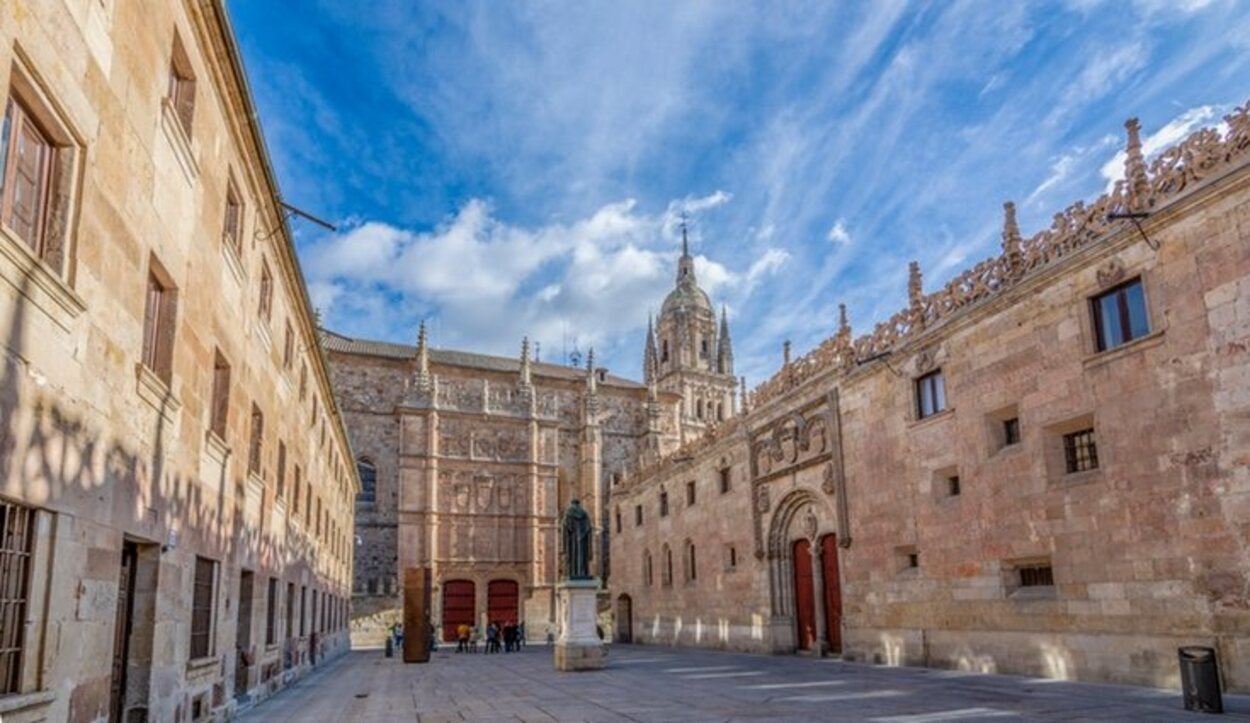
point(803, 575)
point(624, 619)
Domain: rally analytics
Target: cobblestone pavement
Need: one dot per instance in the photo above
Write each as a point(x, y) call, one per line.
point(664, 684)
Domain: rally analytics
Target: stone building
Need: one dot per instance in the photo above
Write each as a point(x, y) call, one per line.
point(176, 486)
point(467, 460)
point(1042, 468)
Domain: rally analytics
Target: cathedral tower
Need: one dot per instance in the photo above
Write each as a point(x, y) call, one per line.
point(687, 354)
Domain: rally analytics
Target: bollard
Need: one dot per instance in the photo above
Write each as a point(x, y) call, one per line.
point(1200, 679)
point(390, 646)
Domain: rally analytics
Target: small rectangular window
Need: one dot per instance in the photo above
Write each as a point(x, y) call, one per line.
point(637, 515)
point(265, 310)
point(930, 394)
point(1011, 431)
point(25, 175)
point(1120, 315)
point(290, 611)
point(1080, 451)
point(663, 504)
point(182, 85)
point(725, 482)
point(221, 396)
point(1036, 576)
point(281, 469)
point(913, 559)
point(202, 608)
point(158, 327)
point(952, 486)
point(690, 492)
point(256, 444)
point(303, 609)
point(618, 519)
point(232, 225)
point(17, 525)
point(271, 613)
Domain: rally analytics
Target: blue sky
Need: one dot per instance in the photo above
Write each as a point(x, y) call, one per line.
point(509, 169)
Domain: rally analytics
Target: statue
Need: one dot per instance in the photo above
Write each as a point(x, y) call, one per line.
point(576, 528)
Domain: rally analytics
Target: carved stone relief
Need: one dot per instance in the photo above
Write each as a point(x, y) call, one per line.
point(1111, 272)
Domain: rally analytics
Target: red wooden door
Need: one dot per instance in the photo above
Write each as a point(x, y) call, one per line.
point(501, 602)
point(804, 597)
point(833, 592)
point(458, 606)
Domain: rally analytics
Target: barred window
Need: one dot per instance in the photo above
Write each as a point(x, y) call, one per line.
point(271, 613)
point(1036, 576)
point(1080, 452)
point(202, 608)
point(17, 525)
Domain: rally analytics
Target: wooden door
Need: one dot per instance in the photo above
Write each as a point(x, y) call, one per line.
point(804, 595)
point(501, 602)
point(833, 592)
point(458, 606)
point(122, 625)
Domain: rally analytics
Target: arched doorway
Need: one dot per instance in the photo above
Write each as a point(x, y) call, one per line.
point(624, 619)
point(804, 596)
point(501, 602)
point(833, 591)
point(458, 605)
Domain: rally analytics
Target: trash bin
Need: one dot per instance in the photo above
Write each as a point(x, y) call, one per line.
point(1200, 679)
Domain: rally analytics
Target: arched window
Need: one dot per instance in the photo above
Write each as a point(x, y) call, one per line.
point(692, 569)
point(664, 350)
point(720, 412)
point(663, 503)
point(646, 567)
point(368, 481)
point(666, 577)
point(699, 409)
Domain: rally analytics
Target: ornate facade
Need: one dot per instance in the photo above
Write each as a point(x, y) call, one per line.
point(1042, 468)
point(176, 487)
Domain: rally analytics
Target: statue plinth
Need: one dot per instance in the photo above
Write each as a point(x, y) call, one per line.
point(578, 647)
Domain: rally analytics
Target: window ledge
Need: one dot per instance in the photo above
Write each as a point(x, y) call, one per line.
point(256, 481)
point(1073, 479)
point(932, 418)
point(200, 665)
point(262, 331)
point(34, 280)
point(25, 701)
point(233, 262)
point(216, 446)
point(153, 390)
point(1153, 339)
point(1008, 450)
point(177, 136)
point(1040, 592)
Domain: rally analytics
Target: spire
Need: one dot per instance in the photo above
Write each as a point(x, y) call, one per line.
point(1135, 167)
point(591, 385)
point(742, 381)
point(785, 353)
point(685, 266)
point(650, 360)
point(1011, 236)
point(423, 359)
point(844, 326)
point(915, 287)
point(526, 378)
point(724, 347)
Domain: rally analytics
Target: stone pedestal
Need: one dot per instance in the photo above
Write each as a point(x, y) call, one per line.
point(578, 646)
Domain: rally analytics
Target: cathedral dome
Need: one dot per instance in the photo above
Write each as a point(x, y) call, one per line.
point(686, 296)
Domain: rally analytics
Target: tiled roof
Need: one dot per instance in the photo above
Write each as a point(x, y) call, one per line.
point(335, 342)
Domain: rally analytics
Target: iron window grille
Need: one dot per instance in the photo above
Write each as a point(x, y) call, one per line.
point(1036, 576)
point(202, 608)
point(1080, 451)
point(17, 525)
point(1011, 431)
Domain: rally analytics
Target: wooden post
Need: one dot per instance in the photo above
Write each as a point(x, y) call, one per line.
point(417, 615)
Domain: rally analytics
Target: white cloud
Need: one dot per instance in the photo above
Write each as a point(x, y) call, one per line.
point(838, 234)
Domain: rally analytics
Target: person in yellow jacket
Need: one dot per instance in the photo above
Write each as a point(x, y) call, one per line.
point(462, 637)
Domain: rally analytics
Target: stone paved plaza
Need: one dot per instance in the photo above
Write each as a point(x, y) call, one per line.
point(664, 684)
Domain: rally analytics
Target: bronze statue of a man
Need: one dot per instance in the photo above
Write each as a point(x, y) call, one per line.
point(576, 529)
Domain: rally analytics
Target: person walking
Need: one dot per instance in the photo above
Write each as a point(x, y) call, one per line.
point(509, 636)
point(492, 638)
point(462, 638)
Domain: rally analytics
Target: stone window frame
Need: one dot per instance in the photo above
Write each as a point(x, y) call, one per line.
point(690, 562)
point(940, 397)
point(725, 472)
point(31, 685)
point(637, 515)
point(272, 593)
point(1013, 587)
point(205, 581)
point(666, 572)
point(1110, 275)
point(50, 265)
point(1055, 459)
point(996, 429)
point(219, 401)
point(731, 558)
point(692, 497)
point(944, 491)
point(647, 569)
point(1124, 312)
point(907, 560)
point(663, 502)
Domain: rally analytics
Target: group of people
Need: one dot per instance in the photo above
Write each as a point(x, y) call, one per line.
point(506, 638)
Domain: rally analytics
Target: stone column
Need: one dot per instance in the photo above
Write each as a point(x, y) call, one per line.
point(818, 598)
